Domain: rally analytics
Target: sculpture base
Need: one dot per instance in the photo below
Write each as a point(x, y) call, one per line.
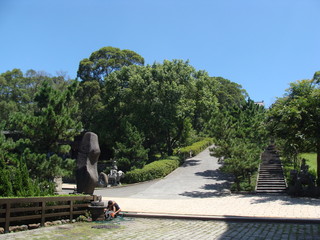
point(97, 213)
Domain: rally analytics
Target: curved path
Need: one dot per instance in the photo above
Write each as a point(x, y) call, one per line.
point(199, 189)
point(198, 177)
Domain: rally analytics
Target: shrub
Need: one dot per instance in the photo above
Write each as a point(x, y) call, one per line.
point(195, 148)
point(154, 170)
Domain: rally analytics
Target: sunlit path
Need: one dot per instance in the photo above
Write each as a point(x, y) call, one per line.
point(198, 177)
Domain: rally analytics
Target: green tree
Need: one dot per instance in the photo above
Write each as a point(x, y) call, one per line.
point(230, 94)
point(89, 96)
point(12, 93)
point(206, 102)
point(48, 131)
point(295, 117)
point(243, 160)
point(155, 99)
point(106, 60)
point(240, 138)
point(14, 175)
point(17, 90)
point(92, 71)
point(129, 151)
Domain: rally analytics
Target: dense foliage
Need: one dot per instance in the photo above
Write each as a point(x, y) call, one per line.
point(242, 137)
point(139, 112)
point(40, 120)
point(157, 108)
point(294, 120)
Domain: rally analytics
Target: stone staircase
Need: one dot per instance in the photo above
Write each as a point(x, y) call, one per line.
point(270, 176)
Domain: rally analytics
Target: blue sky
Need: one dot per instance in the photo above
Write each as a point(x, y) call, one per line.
point(262, 45)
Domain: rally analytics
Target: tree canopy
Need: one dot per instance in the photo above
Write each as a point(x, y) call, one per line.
point(106, 60)
point(295, 118)
point(139, 113)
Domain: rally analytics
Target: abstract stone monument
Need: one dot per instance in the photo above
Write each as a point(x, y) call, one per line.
point(87, 173)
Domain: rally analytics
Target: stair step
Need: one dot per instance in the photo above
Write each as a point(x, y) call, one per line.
point(271, 178)
point(271, 175)
point(273, 188)
point(269, 165)
point(272, 166)
point(270, 191)
point(270, 181)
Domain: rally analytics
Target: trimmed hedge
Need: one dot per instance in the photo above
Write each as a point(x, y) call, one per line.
point(163, 167)
point(156, 169)
point(196, 148)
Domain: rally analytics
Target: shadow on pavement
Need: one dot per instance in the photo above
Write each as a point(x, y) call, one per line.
point(198, 194)
point(217, 186)
point(216, 189)
point(215, 175)
point(286, 199)
point(191, 162)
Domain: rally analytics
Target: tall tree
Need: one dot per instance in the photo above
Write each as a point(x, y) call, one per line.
point(106, 60)
point(89, 96)
point(14, 176)
point(17, 90)
point(295, 117)
point(155, 99)
point(92, 71)
point(240, 138)
point(48, 131)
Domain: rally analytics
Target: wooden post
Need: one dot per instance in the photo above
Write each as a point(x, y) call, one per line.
point(8, 208)
point(71, 210)
point(43, 212)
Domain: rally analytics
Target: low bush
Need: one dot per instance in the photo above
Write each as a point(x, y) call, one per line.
point(154, 170)
point(194, 149)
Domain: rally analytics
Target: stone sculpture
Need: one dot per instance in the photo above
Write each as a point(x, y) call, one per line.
point(114, 176)
point(103, 180)
point(302, 182)
point(87, 173)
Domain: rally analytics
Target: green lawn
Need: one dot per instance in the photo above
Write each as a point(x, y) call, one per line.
point(311, 160)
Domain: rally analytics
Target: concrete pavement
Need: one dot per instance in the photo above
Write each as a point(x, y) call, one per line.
point(146, 228)
point(234, 207)
point(198, 177)
point(173, 207)
point(198, 189)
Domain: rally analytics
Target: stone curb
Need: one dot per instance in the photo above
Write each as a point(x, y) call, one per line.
point(221, 218)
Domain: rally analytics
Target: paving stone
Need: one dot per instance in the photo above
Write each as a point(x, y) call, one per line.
point(142, 228)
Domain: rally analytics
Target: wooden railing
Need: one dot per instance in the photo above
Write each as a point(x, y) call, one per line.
point(38, 209)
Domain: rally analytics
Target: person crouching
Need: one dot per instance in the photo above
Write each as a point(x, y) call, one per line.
point(112, 210)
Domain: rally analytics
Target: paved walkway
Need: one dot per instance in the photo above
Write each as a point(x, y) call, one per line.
point(194, 191)
point(143, 228)
point(274, 207)
point(198, 188)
